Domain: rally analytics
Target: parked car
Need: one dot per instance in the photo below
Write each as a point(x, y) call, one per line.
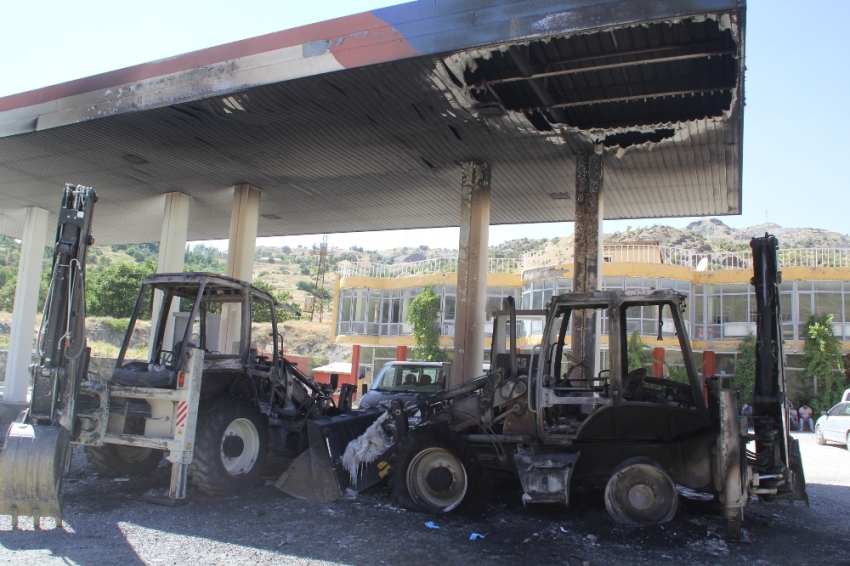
point(846, 397)
point(834, 425)
point(403, 381)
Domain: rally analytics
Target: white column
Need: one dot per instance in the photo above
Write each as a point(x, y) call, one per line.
point(472, 272)
point(172, 252)
point(26, 302)
point(240, 257)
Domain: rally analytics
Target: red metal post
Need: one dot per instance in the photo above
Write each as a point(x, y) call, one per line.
point(355, 368)
point(658, 362)
point(709, 367)
point(401, 353)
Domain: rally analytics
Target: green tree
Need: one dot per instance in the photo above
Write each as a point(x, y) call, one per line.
point(203, 258)
point(636, 352)
point(745, 369)
point(422, 316)
point(113, 290)
point(824, 363)
point(7, 291)
point(281, 297)
point(310, 287)
point(5, 275)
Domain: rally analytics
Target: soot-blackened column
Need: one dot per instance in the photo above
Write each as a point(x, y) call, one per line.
point(587, 258)
point(468, 360)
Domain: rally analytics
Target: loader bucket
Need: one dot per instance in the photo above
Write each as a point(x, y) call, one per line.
point(318, 473)
point(32, 465)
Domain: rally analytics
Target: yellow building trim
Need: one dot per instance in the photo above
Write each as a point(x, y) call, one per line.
point(816, 273)
point(655, 270)
point(723, 276)
point(493, 280)
point(401, 283)
point(504, 280)
point(682, 273)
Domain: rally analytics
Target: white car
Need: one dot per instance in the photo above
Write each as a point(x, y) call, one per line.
point(834, 425)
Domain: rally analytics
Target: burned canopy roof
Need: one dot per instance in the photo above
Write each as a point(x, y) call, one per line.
point(361, 123)
point(657, 73)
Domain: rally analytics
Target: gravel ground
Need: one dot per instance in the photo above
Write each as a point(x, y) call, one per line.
point(107, 523)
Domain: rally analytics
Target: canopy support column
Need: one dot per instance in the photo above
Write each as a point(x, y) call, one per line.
point(244, 218)
point(471, 272)
point(587, 258)
point(172, 253)
point(27, 288)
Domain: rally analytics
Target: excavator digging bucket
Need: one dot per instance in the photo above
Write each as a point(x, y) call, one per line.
point(319, 472)
point(32, 465)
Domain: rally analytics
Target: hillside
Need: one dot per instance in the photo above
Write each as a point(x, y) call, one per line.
point(711, 234)
point(293, 270)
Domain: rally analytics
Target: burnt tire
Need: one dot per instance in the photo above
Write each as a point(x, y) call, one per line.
point(231, 444)
point(641, 492)
point(434, 471)
point(120, 460)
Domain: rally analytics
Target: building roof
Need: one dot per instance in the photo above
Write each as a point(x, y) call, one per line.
point(335, 367)
point(361, 123)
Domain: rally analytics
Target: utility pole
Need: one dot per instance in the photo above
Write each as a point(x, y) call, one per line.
point(319, 301)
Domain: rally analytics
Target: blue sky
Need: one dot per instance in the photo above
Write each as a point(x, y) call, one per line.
point(797, 115)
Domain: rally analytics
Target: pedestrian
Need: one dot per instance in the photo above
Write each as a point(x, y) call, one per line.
point(747, 411)
point(805, 414)
point(792, 415)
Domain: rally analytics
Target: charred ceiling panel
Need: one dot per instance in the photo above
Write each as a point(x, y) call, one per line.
point(626, 79)
point(379, 146)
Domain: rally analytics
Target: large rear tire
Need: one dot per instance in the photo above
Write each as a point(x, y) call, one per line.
point(640, 492)
point(433, 471)
point(120, 460)
point(231, 445)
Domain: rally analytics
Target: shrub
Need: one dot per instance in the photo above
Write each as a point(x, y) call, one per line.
point(822, 354)
point(745, 369)
point(259, 311)
point(637, 352)
point(112, 292)
point(422, 315)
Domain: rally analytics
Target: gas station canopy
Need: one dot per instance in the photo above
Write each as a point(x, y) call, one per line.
point(361, 123)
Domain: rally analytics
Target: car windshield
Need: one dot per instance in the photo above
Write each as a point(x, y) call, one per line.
point(410, 379)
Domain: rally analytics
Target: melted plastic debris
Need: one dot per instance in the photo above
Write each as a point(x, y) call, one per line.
point(366, 448)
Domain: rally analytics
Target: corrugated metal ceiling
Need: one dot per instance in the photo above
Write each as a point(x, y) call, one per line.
point(379, 147)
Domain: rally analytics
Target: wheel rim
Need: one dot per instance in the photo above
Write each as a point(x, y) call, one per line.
point(437, 479)
point(240, 446)
point(132, 453)
point(641, 494)
point(818, 434)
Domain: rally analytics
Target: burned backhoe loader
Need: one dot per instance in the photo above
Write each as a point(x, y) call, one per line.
point(35, 451)
point(203, 394)
point(641, 436)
